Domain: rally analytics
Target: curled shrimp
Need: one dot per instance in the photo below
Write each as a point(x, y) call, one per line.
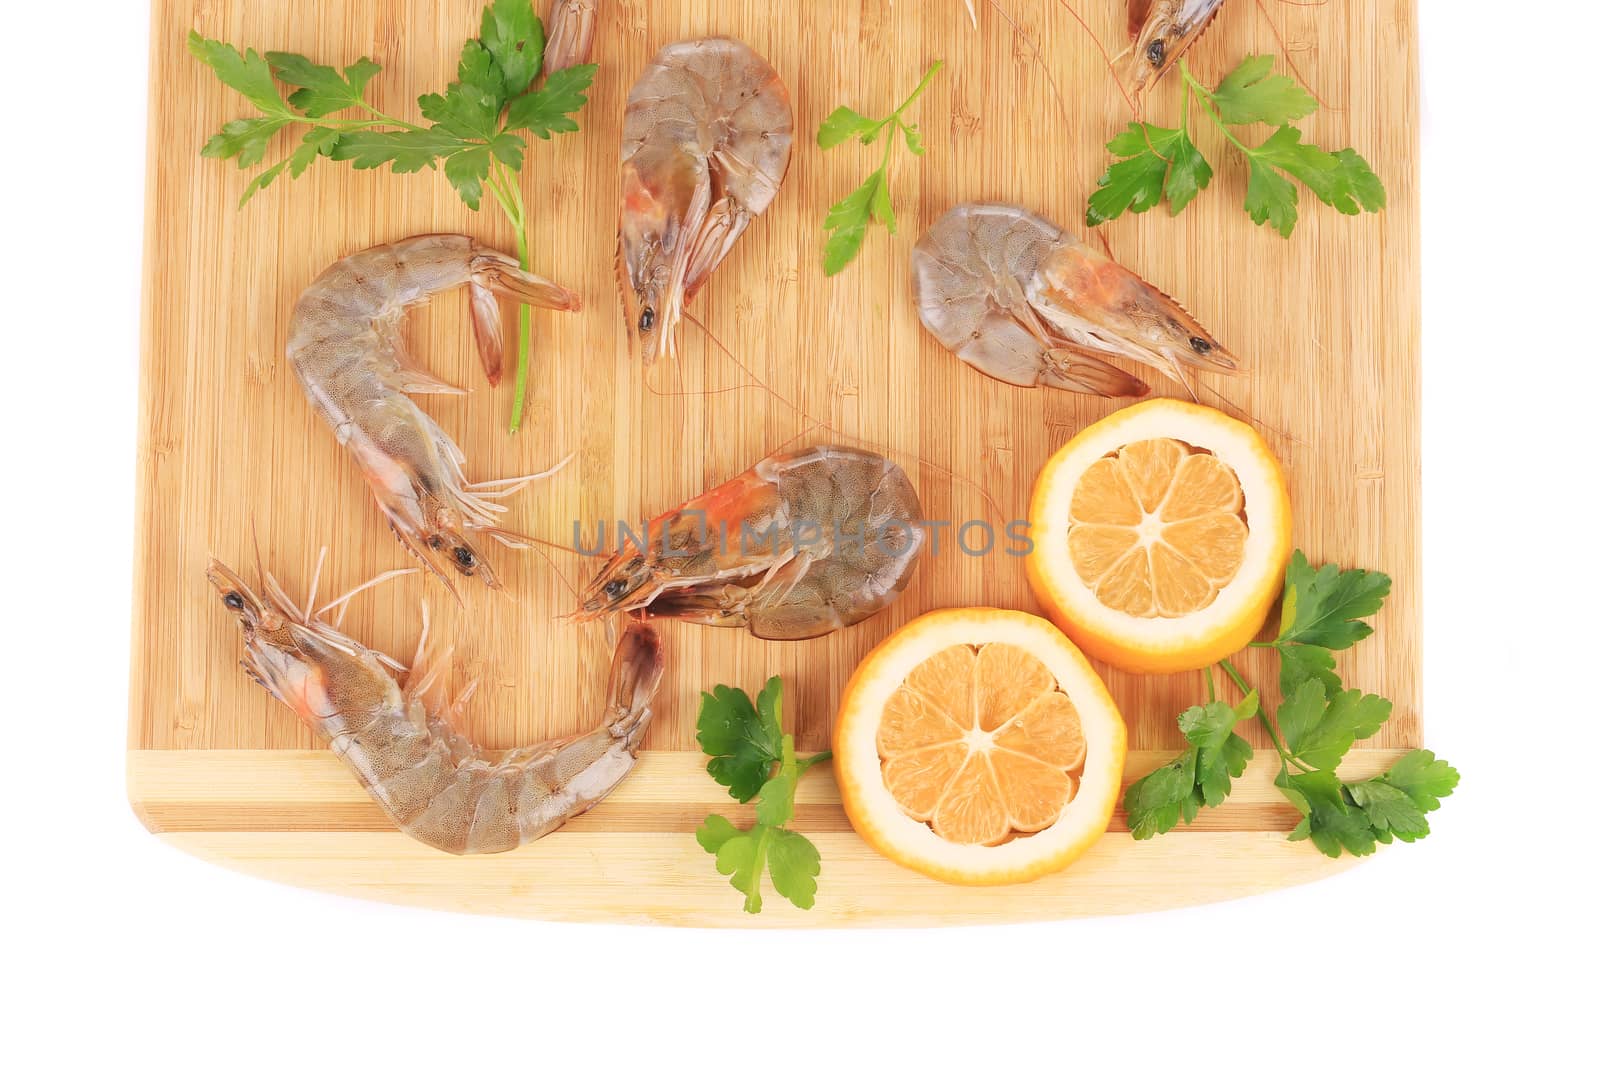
point(705, 145)
point(801, 544)
point(346, 349)
point(569, 34)
point(1162, 30)
point(1022, 300)
point(435, 784)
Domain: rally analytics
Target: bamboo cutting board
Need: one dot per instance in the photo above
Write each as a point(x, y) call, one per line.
point(1328, 322)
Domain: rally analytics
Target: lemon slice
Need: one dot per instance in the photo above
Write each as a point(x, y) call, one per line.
point(1160, 534)
point(978, 746)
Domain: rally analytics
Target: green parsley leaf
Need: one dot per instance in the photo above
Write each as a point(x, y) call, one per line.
point(318, 141)
point(406, 151)
point(1270, 199)
point(246, 138)
point(323, 90)
point(739, 853)
point(744, 740)
point(508, 148)
point(467, 170)
point(249, 74)
point(1159, 163)
point(775, 801)
point(841, 125)
point(1342, 180)
point(1424, 778)
point(549, 108)
point(1189, 174)
point(464, 111)
point(1299, 663)
point(1388, 809)
point(1331, 824)
point(1319, 731)
point(476, 68)
point(1201, 777)
point(1135, 183)
point(1323, 606)
point(847, 220)
point(514, 38)
point(1155, 163)
point(1155, 802)
point(1248, 94)
point(794, 863)
point(1363, 186)
point(262, 180)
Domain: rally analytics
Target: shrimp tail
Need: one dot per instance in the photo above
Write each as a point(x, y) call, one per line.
point(711, 243)
point(494, 275)
point(571, 34)
point(1077, 369)
point(636, 669)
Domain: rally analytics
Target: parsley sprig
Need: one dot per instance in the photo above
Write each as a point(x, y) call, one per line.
point(478, 128)
point(1318, 721)
point(1159, 163)
point(849, 218)
point(753, 757)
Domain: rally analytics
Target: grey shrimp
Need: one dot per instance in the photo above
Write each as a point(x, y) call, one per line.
point(400, 741)
point(346, 349)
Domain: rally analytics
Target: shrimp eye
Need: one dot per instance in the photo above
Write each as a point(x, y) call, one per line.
point(463, 556)
point(234, 601)
point(614, 588)
point(436, 542)
point(1157, 52)
point(647, 319)
point(1200, 345)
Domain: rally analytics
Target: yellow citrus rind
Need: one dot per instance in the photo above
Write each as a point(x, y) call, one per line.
point(912, 842)
point(1161, 645)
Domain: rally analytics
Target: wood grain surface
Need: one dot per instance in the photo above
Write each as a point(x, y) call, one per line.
point(230, 453)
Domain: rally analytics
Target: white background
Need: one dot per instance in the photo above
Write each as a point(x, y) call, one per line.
point(1481, 939)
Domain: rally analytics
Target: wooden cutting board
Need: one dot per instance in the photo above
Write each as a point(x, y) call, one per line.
point(228, 446)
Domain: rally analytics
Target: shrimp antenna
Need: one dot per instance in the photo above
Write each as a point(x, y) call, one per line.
point(316, 579)
point(255, 539)
point(1105, 55)
point(1038, 57)
point(343, 602)
point(1253, 420)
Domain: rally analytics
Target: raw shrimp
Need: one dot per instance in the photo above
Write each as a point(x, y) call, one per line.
point(345, 346)
point(569, 34)
point(1015, 296)
point(705, 145)
point(799, 545)
point(434, 783)
point(1162, 30)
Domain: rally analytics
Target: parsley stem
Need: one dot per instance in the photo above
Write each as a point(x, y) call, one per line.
point(1261, 713)
point(1204, 97)
point(1211, 685)
point(363, 105)
point(524, 312)
point(817, 757)
point(921, 85)
point(503, 187)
